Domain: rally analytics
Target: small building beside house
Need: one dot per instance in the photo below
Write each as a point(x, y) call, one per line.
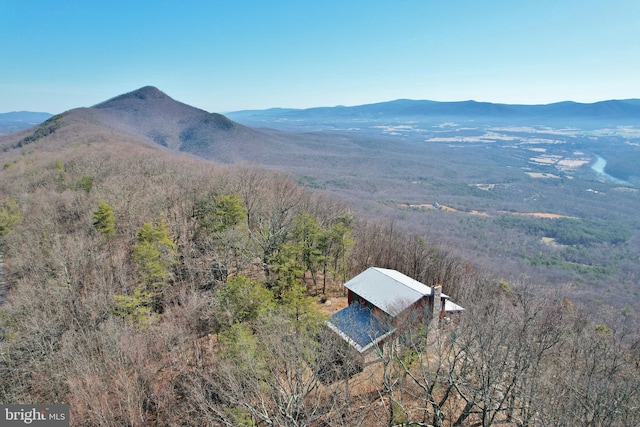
point(381, 301)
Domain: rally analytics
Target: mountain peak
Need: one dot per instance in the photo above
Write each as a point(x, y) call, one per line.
point(146, 93)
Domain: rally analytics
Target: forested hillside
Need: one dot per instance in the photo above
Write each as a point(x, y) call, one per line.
point(518, 201)
point(146, 288)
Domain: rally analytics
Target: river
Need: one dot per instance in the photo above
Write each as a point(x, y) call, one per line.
point(599, 165)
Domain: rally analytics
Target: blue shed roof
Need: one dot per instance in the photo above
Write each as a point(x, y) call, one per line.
point(357, 325)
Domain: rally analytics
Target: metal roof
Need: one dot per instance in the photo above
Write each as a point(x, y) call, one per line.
point(389, 290)
point(358, 326)
point(450, 307)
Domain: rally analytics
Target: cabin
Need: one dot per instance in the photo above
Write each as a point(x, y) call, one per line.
point(382, 301)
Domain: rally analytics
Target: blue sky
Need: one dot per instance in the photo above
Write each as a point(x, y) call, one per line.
point(230, 55)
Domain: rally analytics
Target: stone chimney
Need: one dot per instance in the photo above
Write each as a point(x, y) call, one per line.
point(436, 305)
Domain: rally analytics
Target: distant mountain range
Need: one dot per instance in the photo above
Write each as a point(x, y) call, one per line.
point(150, 116)
point(24, 116)
point(186, 126)
point(16, 120)
point(611, 112)
point(614, 112)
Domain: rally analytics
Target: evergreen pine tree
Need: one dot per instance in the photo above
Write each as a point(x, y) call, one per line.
point(104, 220)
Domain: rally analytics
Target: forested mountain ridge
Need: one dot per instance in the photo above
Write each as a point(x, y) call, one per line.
point(150, 113)
point(401, 170)
point(610, 112)
point(149, 116)
point(149, 287)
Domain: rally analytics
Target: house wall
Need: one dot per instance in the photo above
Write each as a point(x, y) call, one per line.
point(418, 312)
point(425, 306)
point(350, 297)
point(353, 297)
